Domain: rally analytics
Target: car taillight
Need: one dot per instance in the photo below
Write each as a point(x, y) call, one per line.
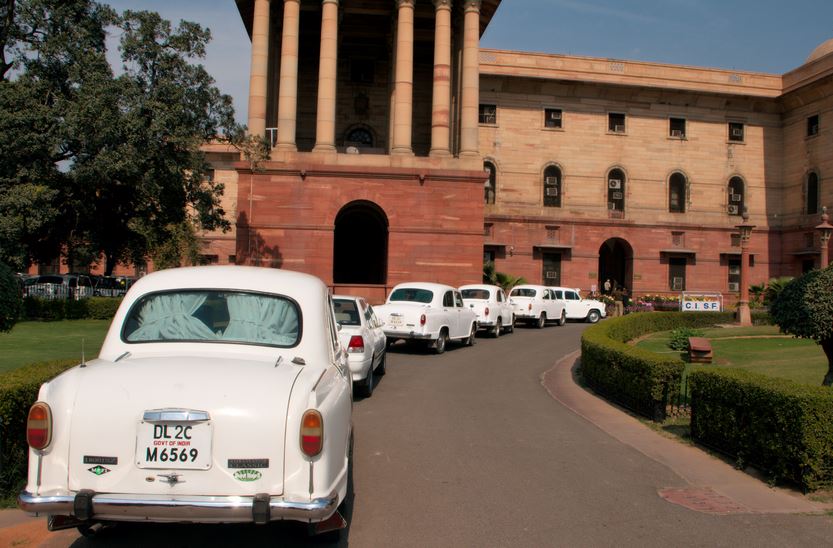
point(356, 344)
point(486, 312)
point(422, 320)
point(39, 426)
point(312, 433)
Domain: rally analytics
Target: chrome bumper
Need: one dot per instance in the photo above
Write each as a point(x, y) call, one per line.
point(408, 335)
point(194, 508)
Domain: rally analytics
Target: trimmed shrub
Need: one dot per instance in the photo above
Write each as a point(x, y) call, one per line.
point(18, 391)
point(680, 336)
point(782, 427)
point(92, 308)
point(10, 299)
point(638, 379)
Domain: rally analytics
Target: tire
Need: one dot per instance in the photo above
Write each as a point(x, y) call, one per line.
point(381, 368)
point(441, 342)
point(511, 326)
point(496, 330)
point(563, 319)
point(542, 320)
point(470, 340)
point(593, 316)
point(366, 388)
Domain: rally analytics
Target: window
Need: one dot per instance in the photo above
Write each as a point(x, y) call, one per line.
point(811, 205)
point(736, 198)
point(734, 274)
point(616, 122)
point(448, 299)
point(552, 233)
point(676, 128)
point(552, 118)
point(813, 125)
point(490, 186)
point(676, 273)
point(552, 187)
point(487, 114)
point(677, 193)
point(359, 136)
point(488, 229)
point(616, 193)
point(678, 239)
point(209, 259)
point(362, 71)
point(489, 256)
point(736, 132)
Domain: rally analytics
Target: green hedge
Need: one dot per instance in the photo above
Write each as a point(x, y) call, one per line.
point(18, 391)
point(782, 427)
point(638, 379)
point(92, 308)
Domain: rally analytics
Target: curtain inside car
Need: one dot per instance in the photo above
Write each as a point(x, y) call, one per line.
point(261, 319)
point(170, 317)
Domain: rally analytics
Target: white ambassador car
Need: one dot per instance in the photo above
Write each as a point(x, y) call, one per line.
point(489, 302)
point(428, 312)
point(362, 336)
point(221, 394)
point(536, 305)
point(589, 310)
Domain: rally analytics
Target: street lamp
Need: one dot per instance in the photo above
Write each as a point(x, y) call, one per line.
point(744, 317)
point(825, 229)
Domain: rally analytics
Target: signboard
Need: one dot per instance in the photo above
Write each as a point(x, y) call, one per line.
point(701, 302)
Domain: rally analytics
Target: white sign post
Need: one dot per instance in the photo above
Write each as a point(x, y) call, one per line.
point(701, 302)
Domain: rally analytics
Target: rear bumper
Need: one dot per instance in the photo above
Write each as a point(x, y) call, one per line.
point(409, 335)
point(194, 509)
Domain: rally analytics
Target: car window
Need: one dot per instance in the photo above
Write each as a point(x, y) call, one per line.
point(214, 317)
point(476, 294)
point(335, 344)
point(448, 299)
point(458, 299)
point(558, 293)
point(346, 312)
point(523, 292)
point(374, 321)
point(499, 295)
point(571, 295)
point(412, 294)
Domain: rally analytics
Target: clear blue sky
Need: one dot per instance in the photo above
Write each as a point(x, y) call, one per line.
point(772, 36)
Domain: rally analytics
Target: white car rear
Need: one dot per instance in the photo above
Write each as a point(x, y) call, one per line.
point(489, 303)
point(536, 305)
point(361, 334)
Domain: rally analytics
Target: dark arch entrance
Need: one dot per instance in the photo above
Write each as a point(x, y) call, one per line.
point(360, 244)
point(616, 264)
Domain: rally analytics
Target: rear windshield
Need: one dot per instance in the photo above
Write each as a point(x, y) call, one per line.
point(412, 294)
point(347, 312)
point(523, 292)
point(214, 316)
point(476, 294)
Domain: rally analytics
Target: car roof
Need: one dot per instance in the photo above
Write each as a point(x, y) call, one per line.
point(479, 286)
point(425, 285)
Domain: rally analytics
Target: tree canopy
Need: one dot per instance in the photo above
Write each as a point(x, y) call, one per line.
point(804, 308)
point(97, 165)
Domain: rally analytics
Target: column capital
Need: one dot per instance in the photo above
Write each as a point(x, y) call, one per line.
point(329, 2)
point(442, 4)
point(291, 1)
point(405, 3)
point(471, 5)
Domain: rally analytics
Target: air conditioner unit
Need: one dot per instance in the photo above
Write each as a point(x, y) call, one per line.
point(550, 181)
point(551, 275)
point(677, 283)
point(618, 129)
point(552, 191)
point(734, 286)
point(617, 196)
point(735, 197)
point(614, 184)
point(737, 132)
point(555, 115)
point(814, 130)
point(733, 210)
point(676, 133)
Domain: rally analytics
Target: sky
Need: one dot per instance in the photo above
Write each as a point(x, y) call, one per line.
point(773, 36)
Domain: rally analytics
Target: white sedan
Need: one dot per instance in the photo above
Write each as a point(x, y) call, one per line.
point(360, 332)
point(489, 302)
point(589, 310)
point(221, 394)
point(537, 304)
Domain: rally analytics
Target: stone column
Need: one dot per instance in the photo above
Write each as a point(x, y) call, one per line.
point(471, 79)
point(404, 78)
point(325, 129)
point(441, 95)
point(744, 315)
point(259, 69)
point(288, 93)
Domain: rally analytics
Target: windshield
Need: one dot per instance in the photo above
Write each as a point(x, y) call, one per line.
point(347, 313)
point(411, 294)
point(476, 294)
point(523, 292)
point(214, 316)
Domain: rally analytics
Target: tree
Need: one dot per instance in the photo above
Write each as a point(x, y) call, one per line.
point(10, 298)
point(804, 308)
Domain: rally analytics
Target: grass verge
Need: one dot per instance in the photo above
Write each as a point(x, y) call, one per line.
point(32, 342)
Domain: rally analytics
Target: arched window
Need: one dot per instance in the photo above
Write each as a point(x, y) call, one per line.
point(490, 186)
point(359, 136)
point(676, 193)
point(552, 187)
point(616, 192)
point(737, 199)
point(812, 202)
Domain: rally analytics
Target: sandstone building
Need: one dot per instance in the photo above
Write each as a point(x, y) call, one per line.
point(400, 150)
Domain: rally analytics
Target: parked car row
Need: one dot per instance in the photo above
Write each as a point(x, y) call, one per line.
point(74, 286)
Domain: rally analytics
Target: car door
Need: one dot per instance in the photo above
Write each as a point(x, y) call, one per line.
point(375, 328)
point(573, 304)
point(551, 305)
point(465, 315)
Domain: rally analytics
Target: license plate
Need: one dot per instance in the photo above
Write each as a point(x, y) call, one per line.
point(396, 321)
point(181, 445)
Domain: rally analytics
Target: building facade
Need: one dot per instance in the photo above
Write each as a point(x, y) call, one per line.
point(400, 151)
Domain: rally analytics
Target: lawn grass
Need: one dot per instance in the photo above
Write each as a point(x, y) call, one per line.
point(31, 342)
point(761, 349)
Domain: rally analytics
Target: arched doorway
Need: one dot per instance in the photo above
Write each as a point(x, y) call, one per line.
point(616, 264)
point(360, 244)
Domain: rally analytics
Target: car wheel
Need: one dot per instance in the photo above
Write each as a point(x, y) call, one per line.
point(442, 340)
point(367, 385)
point(563, 319)
point(593, 316)
point(496, 330)
point(511, 326)
point(380, 369)
point(470, 340)
point(542, 320)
